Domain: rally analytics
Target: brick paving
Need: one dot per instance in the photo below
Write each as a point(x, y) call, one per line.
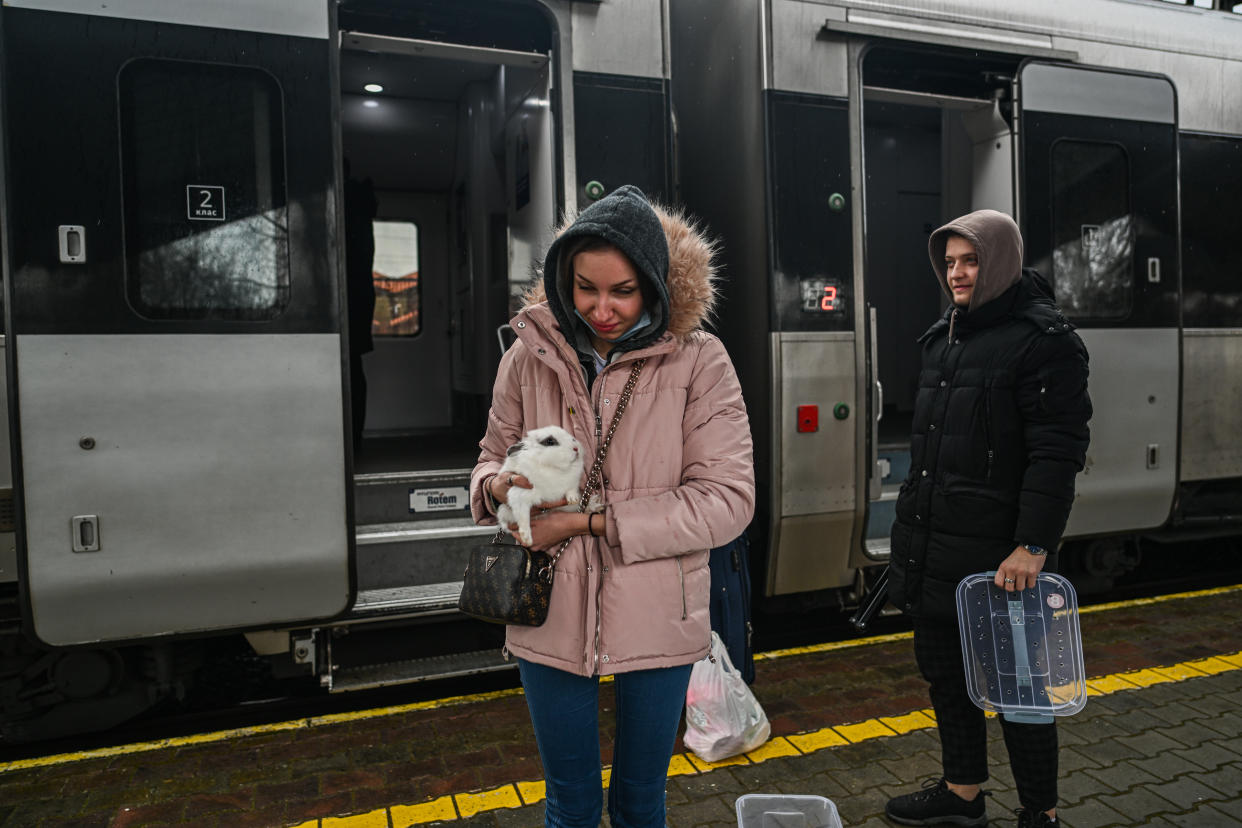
point(1166, 754)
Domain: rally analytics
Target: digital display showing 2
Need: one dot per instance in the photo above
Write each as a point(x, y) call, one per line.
point(822, 296)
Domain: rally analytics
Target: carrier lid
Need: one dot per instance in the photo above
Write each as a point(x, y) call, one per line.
point(1022, 650)
point(786, 811)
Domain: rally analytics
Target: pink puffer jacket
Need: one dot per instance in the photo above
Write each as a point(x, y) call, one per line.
point(678, 480)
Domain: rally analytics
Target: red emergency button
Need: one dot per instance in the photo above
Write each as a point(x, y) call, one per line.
point(808, 418)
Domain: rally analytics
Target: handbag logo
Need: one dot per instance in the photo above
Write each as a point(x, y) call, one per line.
point(489, 562)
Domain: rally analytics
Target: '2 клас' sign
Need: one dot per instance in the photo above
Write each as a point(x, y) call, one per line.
point(204, 202)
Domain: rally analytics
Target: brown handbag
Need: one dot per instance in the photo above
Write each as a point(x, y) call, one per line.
point(509, 584)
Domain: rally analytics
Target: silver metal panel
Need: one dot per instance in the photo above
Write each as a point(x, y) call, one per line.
point(1143, 23)
point(940, 33)
point(8, 542)
point(620, 37)
point(1205, 85)
point(816, 468)
point(1211, 393)
point(1134, 390)
point(421, 530)
point(803, 58)
point(385, 44)
point(301, 18)
point(1069, 90)
point(812, 553)
point(217, 475)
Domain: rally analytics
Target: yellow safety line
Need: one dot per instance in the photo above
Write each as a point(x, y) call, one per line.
point(518, 794)
point(472, 698)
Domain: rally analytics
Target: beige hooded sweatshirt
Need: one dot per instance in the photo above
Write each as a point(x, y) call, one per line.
point(998, 244)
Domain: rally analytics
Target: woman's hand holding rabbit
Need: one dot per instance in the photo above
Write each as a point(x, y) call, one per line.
point(549, 528)
point(501, 484)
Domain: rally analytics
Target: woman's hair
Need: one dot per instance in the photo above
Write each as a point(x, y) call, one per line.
point(593, 244)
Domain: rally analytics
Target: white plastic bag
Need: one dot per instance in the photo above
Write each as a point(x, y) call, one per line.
point(723, 718)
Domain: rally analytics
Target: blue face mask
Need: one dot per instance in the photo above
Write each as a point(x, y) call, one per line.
point(641, 324)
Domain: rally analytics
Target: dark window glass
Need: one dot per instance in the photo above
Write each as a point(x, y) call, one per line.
point(811, 224)
point(206, 224)
point(1092, 229)
point(1211, 203)
point(619, 134)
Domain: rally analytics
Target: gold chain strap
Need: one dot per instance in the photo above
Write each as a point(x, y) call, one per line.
point(597, 468)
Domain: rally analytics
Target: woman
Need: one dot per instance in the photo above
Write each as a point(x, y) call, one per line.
point(630, 598)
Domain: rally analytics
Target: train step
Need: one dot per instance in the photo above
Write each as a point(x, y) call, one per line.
point(369, 677)
point(400, 497)
point(416, 553)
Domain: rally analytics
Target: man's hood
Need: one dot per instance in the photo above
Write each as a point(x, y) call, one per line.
point(998, 244)
point(667, 249)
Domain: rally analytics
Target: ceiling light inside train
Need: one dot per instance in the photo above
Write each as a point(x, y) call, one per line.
point(370, 104)
point(373, 88)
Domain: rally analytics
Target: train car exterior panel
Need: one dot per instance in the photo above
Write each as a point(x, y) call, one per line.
point(721, 147)
point(1203, 102)
point(301, 18)
point(1140, 23)
point(1131, 470)
point(8, 539)
point(1212, 387)
point(804, 58)
point(620, 38)
point(243, 528)
point(816, 499)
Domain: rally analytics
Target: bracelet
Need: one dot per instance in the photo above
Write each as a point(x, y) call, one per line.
point(591, 525)
point(493, 504)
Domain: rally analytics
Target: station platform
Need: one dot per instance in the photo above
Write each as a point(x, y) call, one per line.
point(1159, 744)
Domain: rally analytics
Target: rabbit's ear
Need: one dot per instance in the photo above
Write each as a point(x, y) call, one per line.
point(515, 448)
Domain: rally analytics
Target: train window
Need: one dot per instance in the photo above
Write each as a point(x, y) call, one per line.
point(206, 225)
point(395, 275)
point(1211, 202)
point(1093, 229)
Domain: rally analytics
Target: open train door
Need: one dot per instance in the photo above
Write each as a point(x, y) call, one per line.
point(172, 295)
point(1098, 207)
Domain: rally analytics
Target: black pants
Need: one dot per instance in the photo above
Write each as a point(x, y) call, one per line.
point(963, 734)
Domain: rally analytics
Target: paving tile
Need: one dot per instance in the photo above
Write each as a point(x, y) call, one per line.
point(1137, 804)
point(1210, 755)
point(1185, 792)
point(1091, 812)
point(1208, 816)
point(1225, 781)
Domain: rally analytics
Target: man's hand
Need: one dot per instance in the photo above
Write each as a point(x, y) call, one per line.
point(1019, 570)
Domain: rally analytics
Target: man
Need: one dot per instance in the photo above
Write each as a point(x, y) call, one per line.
point(999, 433)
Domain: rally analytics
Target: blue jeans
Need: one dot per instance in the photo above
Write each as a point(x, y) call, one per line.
point(564, 709)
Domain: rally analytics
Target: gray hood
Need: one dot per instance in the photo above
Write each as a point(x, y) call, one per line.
point(997, 241)
point(626, 219)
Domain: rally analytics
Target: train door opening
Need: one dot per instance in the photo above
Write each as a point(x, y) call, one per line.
point(937, 143)
point(450, 141)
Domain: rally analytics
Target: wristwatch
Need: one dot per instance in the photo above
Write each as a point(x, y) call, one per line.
point(1033, 549)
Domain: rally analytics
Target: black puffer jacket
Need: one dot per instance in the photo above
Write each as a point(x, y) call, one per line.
point(999, 433)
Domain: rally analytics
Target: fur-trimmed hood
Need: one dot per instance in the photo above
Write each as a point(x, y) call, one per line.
point(684, 277)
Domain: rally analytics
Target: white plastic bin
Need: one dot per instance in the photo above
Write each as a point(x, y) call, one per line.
point(786, 811)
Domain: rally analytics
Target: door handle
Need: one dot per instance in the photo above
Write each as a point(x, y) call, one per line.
point(86, 533)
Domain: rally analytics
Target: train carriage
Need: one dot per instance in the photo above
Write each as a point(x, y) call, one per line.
point(857, 127)
point(177, 318)
point(177, 329)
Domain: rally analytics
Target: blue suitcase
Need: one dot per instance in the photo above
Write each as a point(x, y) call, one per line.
point(730, 603)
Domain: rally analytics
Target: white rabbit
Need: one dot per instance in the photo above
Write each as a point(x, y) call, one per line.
point(551, 460)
